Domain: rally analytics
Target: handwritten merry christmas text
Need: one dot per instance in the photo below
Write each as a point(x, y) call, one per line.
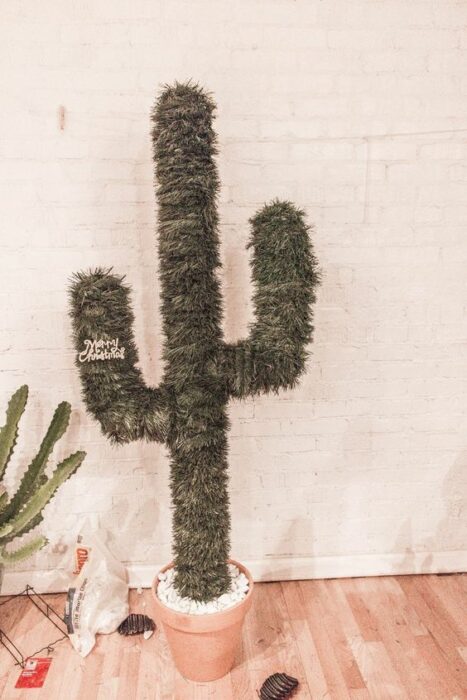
point(101, 350)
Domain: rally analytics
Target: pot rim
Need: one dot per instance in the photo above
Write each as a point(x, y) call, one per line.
point(204, 616)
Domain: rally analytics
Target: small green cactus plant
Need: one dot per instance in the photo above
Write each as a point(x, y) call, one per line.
point(21, 512)
point(188, 412)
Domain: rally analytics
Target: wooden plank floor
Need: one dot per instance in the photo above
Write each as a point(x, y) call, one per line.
point(358, 639)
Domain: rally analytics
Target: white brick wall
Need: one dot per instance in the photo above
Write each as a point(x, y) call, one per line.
point(355, 110)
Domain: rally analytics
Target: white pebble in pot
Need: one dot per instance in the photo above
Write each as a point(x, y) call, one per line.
point(168, 595)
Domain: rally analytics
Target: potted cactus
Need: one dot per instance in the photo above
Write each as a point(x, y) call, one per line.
point(22, 511)
point(188, 411)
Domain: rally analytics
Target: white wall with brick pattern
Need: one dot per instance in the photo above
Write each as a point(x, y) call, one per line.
point(356, 111)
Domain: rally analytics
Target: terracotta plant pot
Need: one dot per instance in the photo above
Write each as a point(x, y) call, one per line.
point(203, 646)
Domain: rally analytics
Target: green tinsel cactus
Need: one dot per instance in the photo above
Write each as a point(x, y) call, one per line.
point(188, 412)
point(23, 511)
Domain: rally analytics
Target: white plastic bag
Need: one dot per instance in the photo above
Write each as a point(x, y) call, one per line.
point(97, 601)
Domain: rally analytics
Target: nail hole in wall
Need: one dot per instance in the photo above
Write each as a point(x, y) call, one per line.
point(61, 118)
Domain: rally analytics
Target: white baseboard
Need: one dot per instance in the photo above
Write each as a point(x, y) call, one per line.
point(272, 569)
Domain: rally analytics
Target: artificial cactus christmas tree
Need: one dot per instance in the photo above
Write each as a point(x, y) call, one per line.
point(188, 412)
point(23, 511)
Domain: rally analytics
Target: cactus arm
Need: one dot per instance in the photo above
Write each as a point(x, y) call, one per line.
point(34, 474)
point(3, 498)
point(285, 275)
point(9, 432)
point(22, 552)
point(31, 525)
point(27, 518)
point(113, 389)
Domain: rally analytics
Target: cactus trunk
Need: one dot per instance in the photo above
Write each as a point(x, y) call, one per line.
point(188, 412)
point(201, 521)
point(184, 148)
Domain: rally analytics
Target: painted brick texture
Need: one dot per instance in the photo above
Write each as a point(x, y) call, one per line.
point(356, 111)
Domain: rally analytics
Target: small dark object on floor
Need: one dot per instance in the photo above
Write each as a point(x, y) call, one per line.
point(136, 624)
point(279, 686)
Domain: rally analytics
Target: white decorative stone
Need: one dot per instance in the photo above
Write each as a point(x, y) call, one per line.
point(170, 597)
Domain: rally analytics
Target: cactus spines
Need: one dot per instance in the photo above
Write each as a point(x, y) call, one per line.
point(188, 412)
point(23, 511)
